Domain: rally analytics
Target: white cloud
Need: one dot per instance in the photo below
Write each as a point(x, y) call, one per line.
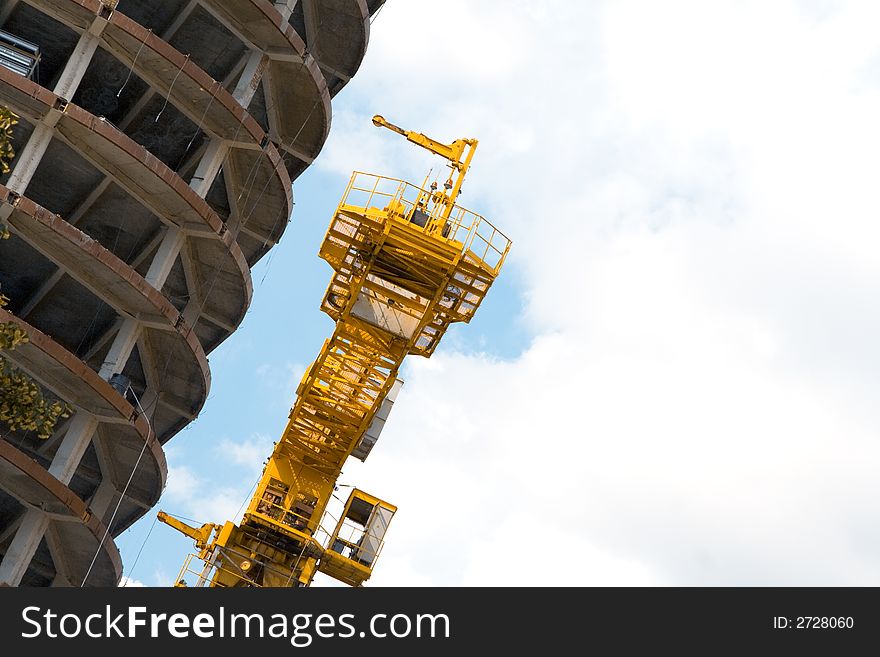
point(199, 499)
point(691, 192)
point(128, 581)
point(182, 483)
point(162, 579)
point(199, 496)
point(250, 454)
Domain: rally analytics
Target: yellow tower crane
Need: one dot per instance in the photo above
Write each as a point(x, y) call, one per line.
point(407, 263)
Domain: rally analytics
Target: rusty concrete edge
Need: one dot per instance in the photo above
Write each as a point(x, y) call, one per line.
point(165, 174)
point(78, 508)
point(186, 67)
point(365, 19)
point(153, 165)
point(135, 281)
point(39, 340)
point(189, 68)
point(78, 239)
point(193, 71)
point(296, 41)
point(311, 65)
point(285, 28)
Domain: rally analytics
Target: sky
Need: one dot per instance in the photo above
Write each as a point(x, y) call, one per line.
point(673, 381)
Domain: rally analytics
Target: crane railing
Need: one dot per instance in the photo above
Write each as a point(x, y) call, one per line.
point(349, 540)
point(480, 239)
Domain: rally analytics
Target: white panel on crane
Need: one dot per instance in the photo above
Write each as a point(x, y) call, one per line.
point(372, 433)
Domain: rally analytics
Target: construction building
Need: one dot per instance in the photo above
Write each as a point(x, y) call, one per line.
point(155, 154)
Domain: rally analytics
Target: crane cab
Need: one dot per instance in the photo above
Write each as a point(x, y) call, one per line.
point(357, 539)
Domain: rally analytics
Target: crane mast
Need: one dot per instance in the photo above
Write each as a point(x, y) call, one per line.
point(407, 262)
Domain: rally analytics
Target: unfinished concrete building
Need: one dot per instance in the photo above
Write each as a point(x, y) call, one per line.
point(155, 154)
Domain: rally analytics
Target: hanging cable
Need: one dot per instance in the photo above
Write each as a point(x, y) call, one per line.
point(248, 496)
point(289, 144)
point(198, 127)
point(180, 517)
point(134, 62)
point(170, 89)
point(124, 490)
point(134, 565)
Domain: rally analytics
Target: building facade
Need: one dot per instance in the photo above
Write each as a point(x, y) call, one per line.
point(155, 154)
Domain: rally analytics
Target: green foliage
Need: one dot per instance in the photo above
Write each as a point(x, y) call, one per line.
point(7, 120)
point(22, 404)
point(11, 335)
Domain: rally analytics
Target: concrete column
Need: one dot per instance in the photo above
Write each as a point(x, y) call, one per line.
point(209, 166)
point(29, 159)
point(77, 64)
point(63, 575)
point(100, 502)
point(164, 259)
point(217, 149)
point(250, 78)
point(285, 8)
point(61, 581)
point(120, 350)
point(72, 447)
point(21, 550)
point(26, 163)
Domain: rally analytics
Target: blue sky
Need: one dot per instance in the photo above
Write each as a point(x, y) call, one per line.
point(674, 380)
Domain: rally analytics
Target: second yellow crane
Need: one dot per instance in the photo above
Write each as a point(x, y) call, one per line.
point(407, 262)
